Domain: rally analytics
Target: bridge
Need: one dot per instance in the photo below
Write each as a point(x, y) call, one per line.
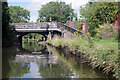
point(47, 29)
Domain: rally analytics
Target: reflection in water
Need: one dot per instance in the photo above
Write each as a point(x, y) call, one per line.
point(34, 70)
point(32, 46)
point(33, 60)
point(18, 69)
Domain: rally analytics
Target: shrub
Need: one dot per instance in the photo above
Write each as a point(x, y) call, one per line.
point(107, 31)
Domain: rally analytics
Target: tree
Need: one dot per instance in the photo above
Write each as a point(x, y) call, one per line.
point(97, 13)
point(18, 14)
point(5, 24)
point(59, 11)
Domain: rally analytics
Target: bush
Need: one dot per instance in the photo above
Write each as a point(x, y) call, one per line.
point(107, 31)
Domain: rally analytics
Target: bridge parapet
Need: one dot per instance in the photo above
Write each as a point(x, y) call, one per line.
point(41, 25)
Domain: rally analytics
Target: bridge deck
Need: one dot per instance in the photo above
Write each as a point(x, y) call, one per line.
point(38, 27)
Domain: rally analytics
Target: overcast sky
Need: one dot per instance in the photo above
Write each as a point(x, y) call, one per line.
point(34, 5)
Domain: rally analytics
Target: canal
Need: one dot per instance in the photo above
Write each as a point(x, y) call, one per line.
point(33, 60)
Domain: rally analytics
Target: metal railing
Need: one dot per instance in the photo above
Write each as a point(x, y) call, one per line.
point(72, 30)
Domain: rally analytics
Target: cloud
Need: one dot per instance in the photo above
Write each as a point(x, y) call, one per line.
point(19, 0)
point(34, 6)
point(33, 18)
point(76, 3)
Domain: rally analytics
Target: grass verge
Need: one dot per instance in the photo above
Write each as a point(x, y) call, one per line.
point(102, 53)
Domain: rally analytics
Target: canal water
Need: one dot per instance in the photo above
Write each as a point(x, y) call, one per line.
point(33, 60)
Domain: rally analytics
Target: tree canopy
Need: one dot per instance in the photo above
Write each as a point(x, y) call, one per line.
point(97, 13)
point(58, 11)
point(18, 14)
point(5, 24)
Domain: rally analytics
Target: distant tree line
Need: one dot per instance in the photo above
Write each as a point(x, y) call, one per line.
point(33, 36)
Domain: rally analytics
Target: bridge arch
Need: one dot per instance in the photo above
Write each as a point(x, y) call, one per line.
point(21, 34)
point(47, 34)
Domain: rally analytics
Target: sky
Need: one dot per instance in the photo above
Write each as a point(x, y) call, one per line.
point(34, 5)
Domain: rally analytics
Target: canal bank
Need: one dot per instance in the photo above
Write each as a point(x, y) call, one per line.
point(98, 56)
point(81, 69)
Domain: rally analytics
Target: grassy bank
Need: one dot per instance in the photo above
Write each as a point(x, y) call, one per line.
point(103, 53)
point(72, 62)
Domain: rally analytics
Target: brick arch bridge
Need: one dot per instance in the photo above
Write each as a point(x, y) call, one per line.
point(47, 29)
